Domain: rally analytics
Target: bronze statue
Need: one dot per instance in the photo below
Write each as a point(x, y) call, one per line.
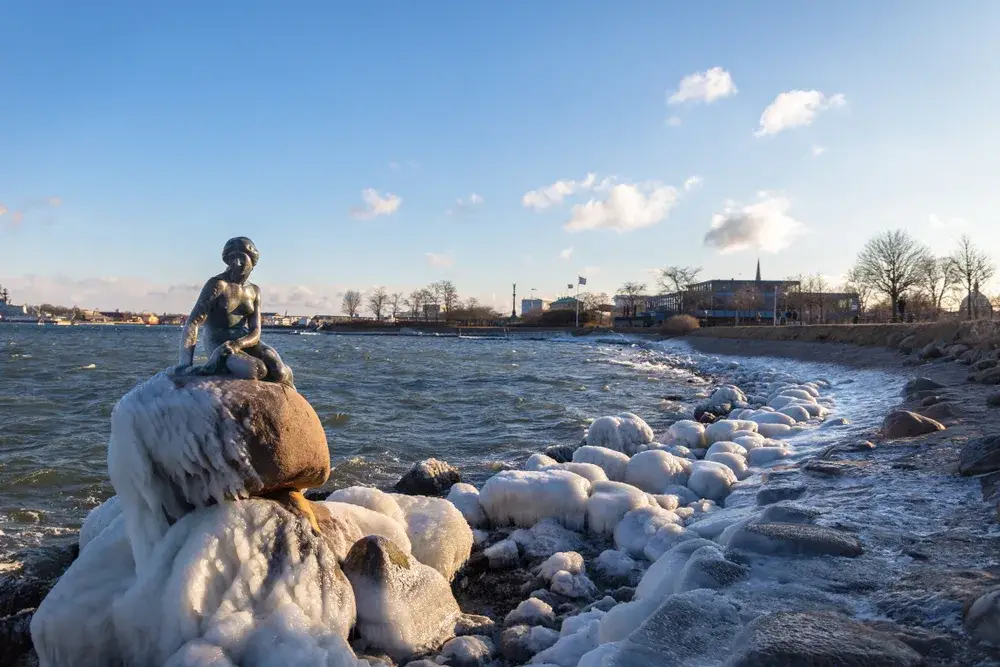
point(229, 309)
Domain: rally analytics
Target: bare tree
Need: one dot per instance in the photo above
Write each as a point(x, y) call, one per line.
point(890, 263)
point(432, 297)
point(448, 294)
point(351, 303)
point(972, 268)
point(631, 292)
point(675, 279)
point(395, 301)
point(937, 280)
point(746, 298)
point(855, 285)
point(377, 302)
point(416, 301)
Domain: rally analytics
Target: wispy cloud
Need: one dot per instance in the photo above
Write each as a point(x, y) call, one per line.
point(764, 225)
point(440, 260)
point(376, 204)
point(566, 253)
point(796, 108)
point(708, 86)
point(551, 195)
point(692, 182)
point(41, 208)
point(817, 150)
point(467, 205)
point(626, 208)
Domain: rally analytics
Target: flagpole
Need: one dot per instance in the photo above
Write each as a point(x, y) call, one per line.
point(578, 303)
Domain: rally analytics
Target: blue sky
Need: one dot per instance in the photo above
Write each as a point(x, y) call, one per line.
point(135, 138)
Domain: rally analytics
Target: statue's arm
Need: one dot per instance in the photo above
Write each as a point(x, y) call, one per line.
point(253, 337)
point(199, 313)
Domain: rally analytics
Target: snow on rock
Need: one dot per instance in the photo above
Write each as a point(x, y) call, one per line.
point(404, 607)
point(203, 588)
point(775, 430)
point(616, 566)
point(520, 643)
point(439, 534)
point(796, 412)
point(688, 433)
point(569, 649)
point(429, 477)
point(465, 498)
point(711, 480)
point(727, 393)
point(639, 525)
point(573, 585)
point(609, 502)
point(524, 497)
point(539, 462)
point(764, 455)
point(612, 462)
point(373, 499)
point(726, 446)
point(569, 561)
point(480, 537)
point(623, 433)
point(471, 651)
point(665, 539)
point(98, 519)
point(724, 429)
point(503, 555)
point(531, 612)
point(343, 524)
point(655, 470)
point(764, 418)
point(733, 461)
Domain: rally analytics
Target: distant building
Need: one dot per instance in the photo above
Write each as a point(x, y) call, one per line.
point(531, 307)
point(565, 303)
point(981, 307)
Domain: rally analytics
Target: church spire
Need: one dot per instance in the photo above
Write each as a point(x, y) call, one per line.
point(758, 269)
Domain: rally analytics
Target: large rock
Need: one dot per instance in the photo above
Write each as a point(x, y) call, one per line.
point(939, 411)
point(429, 477)
point(979, 456)
point(931, 351)
point(989, 376)
point(981, 616)
point(794, 539)
point(521, 642)
point(817, 639)
point(906, 424)
point(15, 636)
point(920, 384)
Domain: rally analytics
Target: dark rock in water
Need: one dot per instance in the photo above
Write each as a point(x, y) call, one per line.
point(906, 345)
point(775, 493)
point(920, 384)
point(906, 424)
point(834, 468)
point(782, 513)
point(989, 376)
point(940, 411)
point(925, 642)
point(981, 616)
point(673, 397)
point(993, 400)
point(795, 539)
point(930, 400)
point(985, 364)
point(21, 592)
point(854, 447)
point(317, 495)
point(818, 639)
point(981, 455)
point(921, 395)
point(623, 594)
point(15, 636)
point(931, 351)
point(429, 477)
point(708, 568)
point(705, 418)
point(708, 414)
point(561, 453)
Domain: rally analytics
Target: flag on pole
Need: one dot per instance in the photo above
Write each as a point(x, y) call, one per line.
point(583, 281)
point(570, 286)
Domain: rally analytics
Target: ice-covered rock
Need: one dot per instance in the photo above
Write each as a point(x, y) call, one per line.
point(616, 566)
point(764, 418)
point(539, 462)
point(728, 393)
point(202, 593)
point(589, 471)
point(573, 586)
point(179, 443)
point(503, 555)
point(429, 477)
point(523, 498)
point(531, 612)
point(775, 430)
point(548, 536)
point(711, 480)
point(404, 607)
point(663, 576)
point(725, 429)
point(98, 519)
point(465, 498)
point(680, 450)
point(570, 648)
point(623, 433)
point(726, 446)
point(733, 461)
point(521, 642)
point(609, 502)
point(471, 651)
point(688, 433)
point(569, 561)
point(665, 539)
point(683, 493)
point(439, 534)
point(796, 412)
point(343, 524)
point(655, 470)
point(573, 624)
point(372, 498)
point(612, 462)
point(764, 455)
point(638, 526)
point(748, 442)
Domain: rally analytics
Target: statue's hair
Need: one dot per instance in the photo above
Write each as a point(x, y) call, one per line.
point(241, 244)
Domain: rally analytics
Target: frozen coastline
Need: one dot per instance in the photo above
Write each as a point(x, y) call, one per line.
point(650, 547)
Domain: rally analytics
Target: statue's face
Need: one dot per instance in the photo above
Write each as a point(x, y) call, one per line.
point(239, 265)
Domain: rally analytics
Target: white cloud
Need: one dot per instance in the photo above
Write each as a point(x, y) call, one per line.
point(551, 195)
point(674, 121)
point(693, 182)
point(818, 150)
point(566, 253)
point(464, 205)
point(764, 225)
point(705, 87)
point(439, 260)
point(795, 108)
point(627, 207)
point(376, 205)
point(938, 223)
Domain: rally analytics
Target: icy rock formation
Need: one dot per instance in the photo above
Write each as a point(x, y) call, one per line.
point(373, 499)
point(733, 461)
point(202, 593)
point(665, 539)
point(471, 651)
point(404, 607)
point(182, 443)
point(531, 612)
point(573, 585)
point(570, 648)
point(764, 455)
point(523, 498)
point(429, 477)
point(609, 502)
point(520, 642)
point(98, 519)
point(688, 433)
point(588, 471)
point(612, 462)
point(439, 534)
point(724, 429)
point(655, 470)
point(343, 524)
point(569, 561)
point(774, 430)
point(616, 566)
point(638, 526)
point(503, 555)
point(625, 432)
point(465, 498)
point(711, 480)
point(726, 446)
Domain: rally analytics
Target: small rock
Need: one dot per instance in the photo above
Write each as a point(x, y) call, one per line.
point(15, 636)
point(979, 456)
point(503, 555)
point(574, 586)
point(863, 446)
point(906, 424)
point(930, 400)
point(834, 468)
point(520, 643)
point(984, 364)
point(795, 539)
point(818, 639)
point(21, 592)
point(782, 513)
point(429, 477)
point(561, 453)
point(923, 641)
point(532, 611)
point(473, 651)
point(993, 400)
point(774, 493)
point(931, 351)
point(939, 411)
point(920, 384)
point(624, 593)
point(990, 376)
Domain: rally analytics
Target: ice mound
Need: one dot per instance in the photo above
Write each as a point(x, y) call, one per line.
point(374, 499)
point(724, 429)
point(726, 446)
point(569, 561)
point(531, 612)
point(733, 461)
point(625, 432)
point(226, 576)
point(612, 462)
point(616, 566)
point(589, 471)
point(465, 498)
point(711, 480)
point(404, 607)
point(570, 648)
point(666, 538)
point(688, 433)
point(524, 497)
point(727, 394)
point(574, 586)
point(98, 519)
point(655, 470)
point(609, 502)
point(439, 534)
point(638, 526)
point(343, 524)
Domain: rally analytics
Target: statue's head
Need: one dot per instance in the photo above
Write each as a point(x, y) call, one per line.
point(240, 255)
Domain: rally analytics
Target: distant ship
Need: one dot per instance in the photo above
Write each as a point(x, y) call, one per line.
point(13, 313)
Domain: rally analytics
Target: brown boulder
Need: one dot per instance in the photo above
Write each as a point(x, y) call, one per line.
point(940, 411)
point(906, 424)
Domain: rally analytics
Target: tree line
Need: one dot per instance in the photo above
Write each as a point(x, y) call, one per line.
point(440, 300)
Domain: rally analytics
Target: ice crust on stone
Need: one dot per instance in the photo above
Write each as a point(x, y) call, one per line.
point(523, 498)
point(711, 480)
point(372, 498)
point(733, 461)
point(609, 502)
point(655, 470)
point(688, 433)
point(638, 526)
point(98, 519)
point(531, 612)
point(439, 534)
point(569, 561)
point(624, 432)
point(465, 498)
point(570, 648)
point(355, 522)
point(613, 463)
